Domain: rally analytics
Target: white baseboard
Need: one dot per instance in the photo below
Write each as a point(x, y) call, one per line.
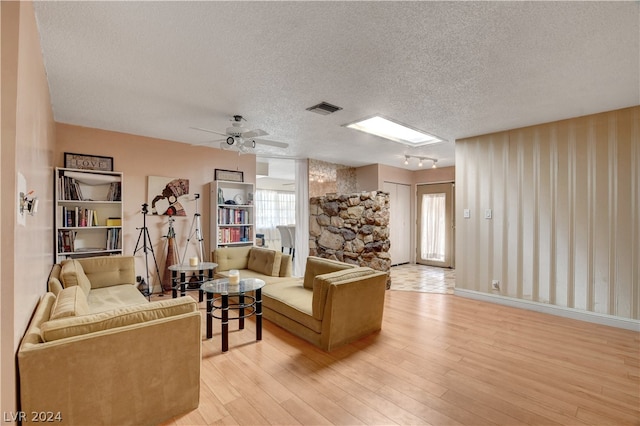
point(561, 311)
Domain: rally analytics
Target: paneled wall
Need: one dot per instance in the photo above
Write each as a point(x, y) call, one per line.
point(565, 226)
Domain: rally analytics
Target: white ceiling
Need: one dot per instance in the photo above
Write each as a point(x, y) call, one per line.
point(454, 69)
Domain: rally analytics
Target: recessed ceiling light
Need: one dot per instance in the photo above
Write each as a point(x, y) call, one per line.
point(393, 130)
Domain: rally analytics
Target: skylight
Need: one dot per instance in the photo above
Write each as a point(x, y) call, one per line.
point(392, 130)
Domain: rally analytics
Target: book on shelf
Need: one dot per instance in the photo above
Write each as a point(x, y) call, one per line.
point(114, 192)
point(233, 216)
point(114, 238)
point(66, 240)
point(79, 217)
point(239, 234)
point(70, 189)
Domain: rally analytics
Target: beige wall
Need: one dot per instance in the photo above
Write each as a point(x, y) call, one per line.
point(139, 157)
point(367, 178)
point(565, 198)
point(440, 174)
point(27, 133)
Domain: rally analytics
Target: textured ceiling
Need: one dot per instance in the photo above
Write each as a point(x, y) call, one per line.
point(454, 69)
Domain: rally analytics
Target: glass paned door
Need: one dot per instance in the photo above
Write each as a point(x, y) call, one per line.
point(435, 233)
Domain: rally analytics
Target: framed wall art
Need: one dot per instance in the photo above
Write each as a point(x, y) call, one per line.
point(167, 195)
point(88, 162)
point(228, 175)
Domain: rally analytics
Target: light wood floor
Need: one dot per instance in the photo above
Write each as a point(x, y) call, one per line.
point(439, 359)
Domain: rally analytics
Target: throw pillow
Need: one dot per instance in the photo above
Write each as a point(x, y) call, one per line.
point(265, 261)
point(72, 274)
point(70, 302)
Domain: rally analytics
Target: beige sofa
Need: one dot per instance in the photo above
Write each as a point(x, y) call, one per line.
point(97, 352)
point(334, 304)
point(253, 262)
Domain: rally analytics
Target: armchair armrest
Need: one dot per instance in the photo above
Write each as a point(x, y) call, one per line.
point(349, 303)
point(322, 283)
point(353, 309)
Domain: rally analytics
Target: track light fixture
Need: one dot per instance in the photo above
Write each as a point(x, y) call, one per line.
point(420, 160)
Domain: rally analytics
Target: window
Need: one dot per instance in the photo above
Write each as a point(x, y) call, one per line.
point(274, 208)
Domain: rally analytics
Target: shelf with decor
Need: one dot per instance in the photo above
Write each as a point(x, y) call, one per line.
point(88, 213)
point(232, 214)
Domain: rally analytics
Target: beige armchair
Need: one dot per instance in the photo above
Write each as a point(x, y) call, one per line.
point(336, 303)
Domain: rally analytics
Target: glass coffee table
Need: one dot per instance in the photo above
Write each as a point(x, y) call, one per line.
point(181, 283)
point(246, 305)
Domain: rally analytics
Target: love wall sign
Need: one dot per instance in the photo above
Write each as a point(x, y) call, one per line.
point(88, 162)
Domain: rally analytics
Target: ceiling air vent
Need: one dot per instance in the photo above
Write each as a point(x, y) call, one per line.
point(324, 108)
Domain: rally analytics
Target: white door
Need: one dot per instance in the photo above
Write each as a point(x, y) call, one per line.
point(435, 225)
point(399, 222)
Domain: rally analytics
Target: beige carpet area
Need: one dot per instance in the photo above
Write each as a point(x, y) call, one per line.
point(424, 279)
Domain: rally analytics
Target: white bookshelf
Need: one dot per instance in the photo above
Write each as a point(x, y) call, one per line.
point(231, 224)
point(88, 213)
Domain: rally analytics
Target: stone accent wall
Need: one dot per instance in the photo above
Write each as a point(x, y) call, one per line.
point(351, 228)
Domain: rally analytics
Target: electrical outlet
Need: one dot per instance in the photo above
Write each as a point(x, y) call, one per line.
point(495, 285)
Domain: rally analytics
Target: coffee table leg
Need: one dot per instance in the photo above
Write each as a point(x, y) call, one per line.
point(259, 314)
point(225, 322)
point(209, 317)
point(241, 311)
point(183, 284)
point(174, 284)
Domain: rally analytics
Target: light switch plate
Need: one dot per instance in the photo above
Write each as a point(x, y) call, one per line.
point(467, 213)
point(487, 214)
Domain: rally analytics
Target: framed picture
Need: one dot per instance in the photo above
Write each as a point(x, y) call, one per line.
point(228, 175)
point(88, 162)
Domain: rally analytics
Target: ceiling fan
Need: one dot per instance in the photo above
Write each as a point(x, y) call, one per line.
point(238, 138)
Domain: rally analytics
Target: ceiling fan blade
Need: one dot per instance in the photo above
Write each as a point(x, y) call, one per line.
point(206, 142)
point(254, 133)
point(208, 131)
point(272, 143)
